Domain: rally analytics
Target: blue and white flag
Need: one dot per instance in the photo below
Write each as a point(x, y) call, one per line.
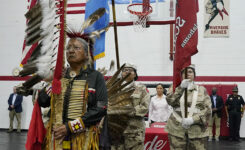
point(92, 6)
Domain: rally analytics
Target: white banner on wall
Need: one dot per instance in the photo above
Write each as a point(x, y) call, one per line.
point(216, 18)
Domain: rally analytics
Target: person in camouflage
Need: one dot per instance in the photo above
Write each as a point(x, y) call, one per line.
point(188, 133)
point(133, 135)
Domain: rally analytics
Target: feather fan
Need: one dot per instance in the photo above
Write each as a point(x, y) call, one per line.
point(119, 103)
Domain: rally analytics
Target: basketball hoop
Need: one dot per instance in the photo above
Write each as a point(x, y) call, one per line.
point(139, 14)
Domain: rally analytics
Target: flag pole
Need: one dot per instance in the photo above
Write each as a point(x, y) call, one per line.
point(185, 103)
point(115, 32)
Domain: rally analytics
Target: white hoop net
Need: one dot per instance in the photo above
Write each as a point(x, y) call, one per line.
point(139, 22)
point(139, 17)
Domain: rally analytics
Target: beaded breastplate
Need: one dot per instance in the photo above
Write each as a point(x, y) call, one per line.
point(76, 105)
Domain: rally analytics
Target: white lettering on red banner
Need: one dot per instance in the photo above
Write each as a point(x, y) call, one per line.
point(179, 23)
point(192, 31)
point(155, 144)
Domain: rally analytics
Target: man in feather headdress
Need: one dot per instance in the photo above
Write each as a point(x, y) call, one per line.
point(78, 100)
point(134, 132)
point(77, 111)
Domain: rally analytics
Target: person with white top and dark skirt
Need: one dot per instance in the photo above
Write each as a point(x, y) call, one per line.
point(159, 110)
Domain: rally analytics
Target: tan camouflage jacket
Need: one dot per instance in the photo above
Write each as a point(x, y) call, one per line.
point(201, 116)
point(141, 100)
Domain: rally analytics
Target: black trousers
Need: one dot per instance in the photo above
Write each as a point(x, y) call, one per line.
point(234, 124)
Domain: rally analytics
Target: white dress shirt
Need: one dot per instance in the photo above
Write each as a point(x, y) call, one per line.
point(214, 99)
point(159, 110)
point(13, 98)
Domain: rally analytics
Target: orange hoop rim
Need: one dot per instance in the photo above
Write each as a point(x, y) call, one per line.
point(137, 12)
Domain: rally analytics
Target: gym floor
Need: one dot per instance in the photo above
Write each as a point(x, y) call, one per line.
point(16, 141)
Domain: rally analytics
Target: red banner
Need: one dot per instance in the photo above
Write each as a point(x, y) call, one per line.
point(156, 138)
point(186, 36)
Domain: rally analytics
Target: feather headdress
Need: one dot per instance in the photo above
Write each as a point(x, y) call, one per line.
point(44, 26)
point(88, 37)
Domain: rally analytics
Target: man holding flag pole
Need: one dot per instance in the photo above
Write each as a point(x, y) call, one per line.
point(187, 125)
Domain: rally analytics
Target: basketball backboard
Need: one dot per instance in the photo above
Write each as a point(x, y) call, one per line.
point(163, 11)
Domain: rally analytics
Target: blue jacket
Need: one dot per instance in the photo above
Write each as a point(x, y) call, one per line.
point(219, 105)
point(17, 103)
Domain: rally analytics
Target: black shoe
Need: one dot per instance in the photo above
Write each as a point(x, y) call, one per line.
point(10, 131)
point(237, 139)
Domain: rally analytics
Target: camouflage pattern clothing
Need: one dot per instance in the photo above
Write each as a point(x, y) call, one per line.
point(177, 143)
point(135, 131)
point(201, 115)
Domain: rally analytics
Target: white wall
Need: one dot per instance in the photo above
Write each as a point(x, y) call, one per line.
point(222, 56)
point(149, 50)
point(6, 89)
point(12, 27)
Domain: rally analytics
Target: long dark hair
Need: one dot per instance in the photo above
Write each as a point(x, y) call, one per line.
point(164, 90)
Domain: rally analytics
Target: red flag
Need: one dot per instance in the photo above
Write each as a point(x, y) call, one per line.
point(186, 36)
point(36, 131)
point(56, 84)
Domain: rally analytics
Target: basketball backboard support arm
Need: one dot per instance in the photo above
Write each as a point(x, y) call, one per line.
point(149, 22)
point(171, 36)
